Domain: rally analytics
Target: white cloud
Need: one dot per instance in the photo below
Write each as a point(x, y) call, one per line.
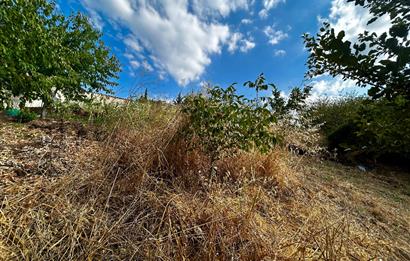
point(247, 45)
point(147, 66)
point(267, 6)
point(236, 41)
point(353, 20)
point(274, 36)
point(246, 21)
point(95, 19)
point(180, 41)
point(233, 42)
point(129, 56)
point(279, 52)
point(333, 88)
point(219, 7)
point(132, 43)
point(134, 64)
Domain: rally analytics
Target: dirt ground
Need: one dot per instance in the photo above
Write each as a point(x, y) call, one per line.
point(41, 149)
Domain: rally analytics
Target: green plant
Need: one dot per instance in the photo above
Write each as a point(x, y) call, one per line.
point(365, 128)
point(376, 61)
point(383, 127)
point(224, 121)
point(26, 116)
point(331, 114)
point(12, 112)
point(179, 99)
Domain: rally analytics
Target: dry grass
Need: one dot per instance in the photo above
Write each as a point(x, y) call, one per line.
point(148, 197)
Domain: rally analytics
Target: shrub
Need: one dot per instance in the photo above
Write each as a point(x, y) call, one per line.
point(331, 114)
point(26, 116)
point(365, 128)
point(383, 128)
point(224, 121)
point(12, 112)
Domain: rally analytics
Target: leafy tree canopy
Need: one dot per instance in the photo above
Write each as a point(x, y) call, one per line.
point(379, 61)
point(43, 53)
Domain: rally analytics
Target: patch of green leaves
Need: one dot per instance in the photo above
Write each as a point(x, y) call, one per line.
point(224, 121)
point(376, 61)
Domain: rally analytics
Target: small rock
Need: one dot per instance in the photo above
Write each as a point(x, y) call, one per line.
point(46, 139)
point(362, 168)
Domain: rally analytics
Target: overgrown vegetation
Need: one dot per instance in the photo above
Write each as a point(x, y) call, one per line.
point(224, 121)
point(376, 61)
point(374, 127)
point(364, 130)
point(211, 176)
point(140, 194)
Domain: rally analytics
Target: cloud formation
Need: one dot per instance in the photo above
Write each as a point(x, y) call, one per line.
point(279, 52)
point(274, 36)
point(237, 41)
point(353, 20)
point(178, 40)
point(267, 6)
point(219, 7)
point(333, 88)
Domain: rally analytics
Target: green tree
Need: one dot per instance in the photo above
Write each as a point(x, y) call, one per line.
point(44, 53)
point(380, 62)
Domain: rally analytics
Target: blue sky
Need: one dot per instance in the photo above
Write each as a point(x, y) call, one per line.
point(173, 46)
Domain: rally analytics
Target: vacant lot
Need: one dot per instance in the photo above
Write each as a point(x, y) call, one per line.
point(68, 192)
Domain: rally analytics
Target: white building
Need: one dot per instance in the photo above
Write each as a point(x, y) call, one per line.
point(98, 97)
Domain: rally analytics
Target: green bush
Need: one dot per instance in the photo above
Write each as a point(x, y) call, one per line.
point(365, 128)
point(332, 114)
point(26, 116)
point(383, 126)
point(13, 113)
point(224, 121)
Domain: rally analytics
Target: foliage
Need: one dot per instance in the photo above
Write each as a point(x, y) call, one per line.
point(374, 127)
point(144, 97)
point(384, 126)
point(21, 115)
point(137, 190)
point(26, 116)
point(44, 53)
point(331, 114)
point(378, 61)
point(366, 128)
point(225, 121)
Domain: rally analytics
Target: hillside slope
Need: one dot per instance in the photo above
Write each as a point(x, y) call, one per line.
point(69, 194)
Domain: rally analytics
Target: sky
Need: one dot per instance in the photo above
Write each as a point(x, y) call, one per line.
point(175, 46)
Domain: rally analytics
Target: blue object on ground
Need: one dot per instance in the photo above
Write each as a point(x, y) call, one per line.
point(13, 113)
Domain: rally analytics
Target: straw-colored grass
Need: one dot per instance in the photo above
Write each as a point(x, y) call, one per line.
point(149, 197)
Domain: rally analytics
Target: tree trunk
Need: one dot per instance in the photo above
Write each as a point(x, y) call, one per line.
point(43, 112)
